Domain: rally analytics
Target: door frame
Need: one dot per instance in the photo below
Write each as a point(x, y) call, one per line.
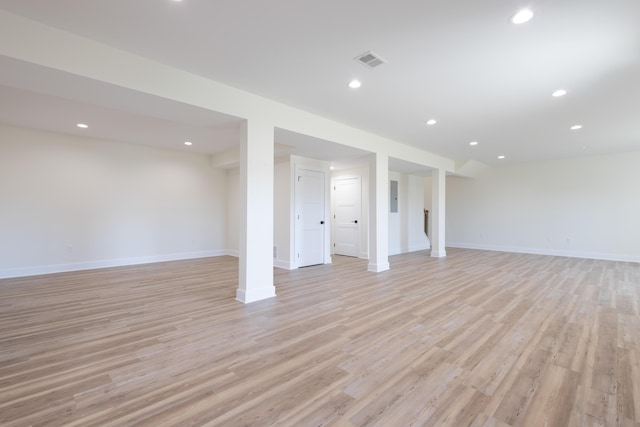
point(333, 210)
point(326, 250)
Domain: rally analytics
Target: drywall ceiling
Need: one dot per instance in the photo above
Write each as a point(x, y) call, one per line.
point(41, 98)
point(298, 144)
point(463, 63)
point(55, 114)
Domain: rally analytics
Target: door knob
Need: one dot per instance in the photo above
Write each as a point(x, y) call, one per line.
point(356, 221)
point(321, 222)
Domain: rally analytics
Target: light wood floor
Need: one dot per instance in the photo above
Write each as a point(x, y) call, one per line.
point(478, 338)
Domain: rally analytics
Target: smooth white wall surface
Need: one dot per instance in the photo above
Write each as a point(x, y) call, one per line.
point(283, 208)
point(282, 214)
point(398, 221)
point(417, 240)
point(255, 278)
point(71, 203)
point(406, 227)
point(233, 211)
point(583, 207)
point(428, 192)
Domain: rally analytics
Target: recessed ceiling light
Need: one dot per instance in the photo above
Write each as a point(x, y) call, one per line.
point(501, 157)
point(576, 127)
point(82, 126)
point(522, 16)
point(559, 92)
point(188, 143)
point(431, 122)
point(473, 143)
point(331, 168)
point(355, 84)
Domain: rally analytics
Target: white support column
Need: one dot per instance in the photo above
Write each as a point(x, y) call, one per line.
point(378, 212)
point(438, 180)
point(256, 212)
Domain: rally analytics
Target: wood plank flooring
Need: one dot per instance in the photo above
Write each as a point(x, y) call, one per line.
point(475, 339)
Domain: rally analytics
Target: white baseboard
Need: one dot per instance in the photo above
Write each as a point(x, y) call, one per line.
point(90, 265)
point(254, 295)
point(377, 268)
point(422, 247)
point(552, 252)
point(407, 249)
point(438, 254)
point(232, 252)
point(285, 265)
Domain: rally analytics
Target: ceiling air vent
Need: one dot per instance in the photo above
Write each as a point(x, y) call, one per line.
point(370, 59)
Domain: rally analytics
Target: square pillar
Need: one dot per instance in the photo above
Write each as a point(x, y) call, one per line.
point(438, 191)
point(256, 212)
point(378, 212)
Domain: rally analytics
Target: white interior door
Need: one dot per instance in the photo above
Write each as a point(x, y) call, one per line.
point(310, 217)
point(346, 216)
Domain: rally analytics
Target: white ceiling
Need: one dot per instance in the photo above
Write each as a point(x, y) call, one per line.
point(51, 113)
point(41, 98)
point(460, 62)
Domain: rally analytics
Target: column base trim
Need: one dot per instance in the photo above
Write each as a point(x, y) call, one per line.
point(377, 268)
point(255, 294)
point(438, 254)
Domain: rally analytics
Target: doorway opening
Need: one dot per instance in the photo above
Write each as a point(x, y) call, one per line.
point(347, 199)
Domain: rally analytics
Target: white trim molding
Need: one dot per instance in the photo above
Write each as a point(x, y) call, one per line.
point(552, 252)
point(377, 268)
point(407, 249)
point(255, 294)
point(91, 265)
point(285, 265)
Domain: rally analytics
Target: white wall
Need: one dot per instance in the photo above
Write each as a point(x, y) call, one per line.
point(428, 191)
point(71, 203)
point(406, 227)
point(282, 214)
point(283, 208)
point(233, 211)
point(418, 240)
point(584, 207)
